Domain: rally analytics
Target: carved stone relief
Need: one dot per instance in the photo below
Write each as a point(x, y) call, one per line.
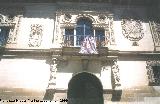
point(150, 73)
point(132, 30)
point(53, 71)
point(68, 19)
point(155, 28)
point(116, 84)
point(36, 34)
point(116, 74)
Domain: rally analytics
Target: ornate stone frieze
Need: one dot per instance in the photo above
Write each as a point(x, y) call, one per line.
point(150, 73)
point(155, 29)
point(36, 34)
point(132, 30)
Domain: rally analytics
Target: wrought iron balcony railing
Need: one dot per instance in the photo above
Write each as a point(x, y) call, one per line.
point(76, 40)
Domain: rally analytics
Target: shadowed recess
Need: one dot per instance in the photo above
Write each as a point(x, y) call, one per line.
point(85, 88)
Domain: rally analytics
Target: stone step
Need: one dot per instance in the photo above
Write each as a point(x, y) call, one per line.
point(152, 100)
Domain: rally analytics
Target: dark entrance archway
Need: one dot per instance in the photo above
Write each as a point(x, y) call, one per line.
point(85, 88)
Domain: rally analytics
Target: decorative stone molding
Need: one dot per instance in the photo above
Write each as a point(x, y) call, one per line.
point(155, 30)
point(36, 34)
point(12, 38)
point(13, 24)
point(150, 73)
point(68, 19)
point(116, 74)
point(132, 30)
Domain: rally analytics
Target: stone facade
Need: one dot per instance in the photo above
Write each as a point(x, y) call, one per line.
point(36, 54)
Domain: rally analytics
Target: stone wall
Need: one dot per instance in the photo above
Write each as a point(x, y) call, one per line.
point(44, 16)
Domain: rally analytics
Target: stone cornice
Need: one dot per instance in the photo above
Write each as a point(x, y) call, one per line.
point(121, 2)
point(105, 53)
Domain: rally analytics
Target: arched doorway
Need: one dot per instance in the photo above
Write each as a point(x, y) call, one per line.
point(85, 88)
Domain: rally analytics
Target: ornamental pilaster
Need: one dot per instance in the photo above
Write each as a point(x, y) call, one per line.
point(116, 75)
point(53, 72)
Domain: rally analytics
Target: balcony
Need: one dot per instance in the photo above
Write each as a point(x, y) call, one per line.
point(77, 40)
point(72, 46)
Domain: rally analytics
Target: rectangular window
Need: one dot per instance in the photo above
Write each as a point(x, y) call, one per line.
point(4, 32)
point(100, 37)
point(69, 37)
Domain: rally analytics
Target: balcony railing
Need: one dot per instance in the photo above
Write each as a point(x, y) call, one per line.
point(76, 40)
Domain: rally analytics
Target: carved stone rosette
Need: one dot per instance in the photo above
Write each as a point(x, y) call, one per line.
point(155, 29)
point(116, 74)
point(149, 68)
point(132, 30)
point(68, 19)
point(36, 34)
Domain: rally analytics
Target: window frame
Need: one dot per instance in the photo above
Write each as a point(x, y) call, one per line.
point(68, 43)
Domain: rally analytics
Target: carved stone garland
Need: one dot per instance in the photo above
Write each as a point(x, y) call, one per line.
point(155, 28)
point(150, 73)
point(35, 35)
point(69, 19)
point(132, 30)
point(116, 74)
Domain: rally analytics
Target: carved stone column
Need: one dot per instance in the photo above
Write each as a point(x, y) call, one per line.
point(53, 71)
point(116, 75)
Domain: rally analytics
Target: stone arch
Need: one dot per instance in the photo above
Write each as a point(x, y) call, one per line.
point(85, 88)
point(85, 16)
